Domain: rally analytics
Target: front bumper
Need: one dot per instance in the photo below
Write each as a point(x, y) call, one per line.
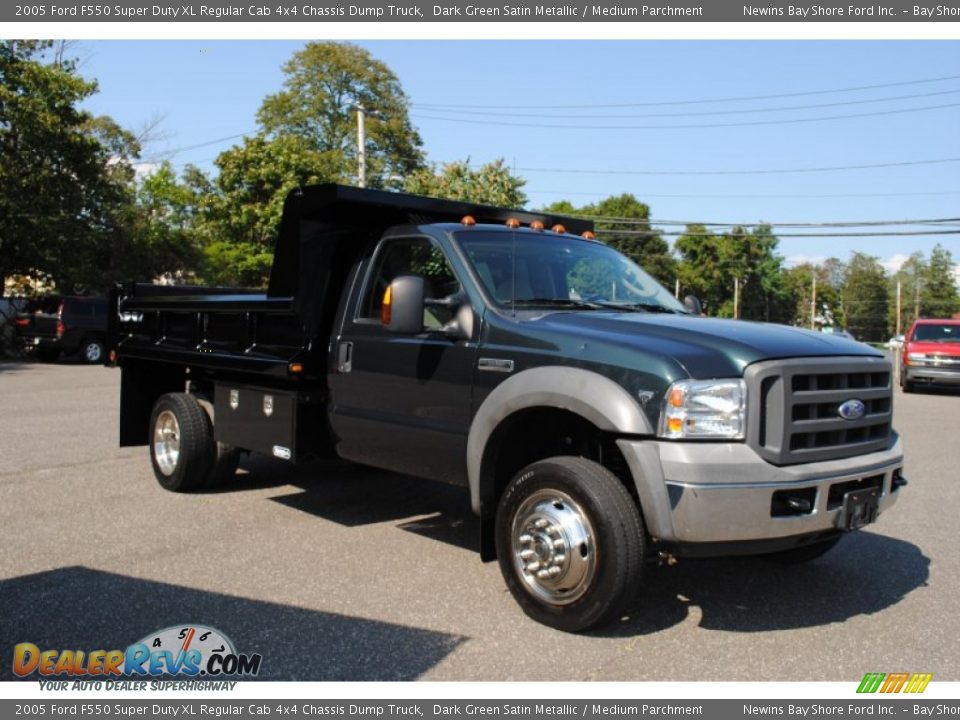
point(724, 492)
point(931, 374)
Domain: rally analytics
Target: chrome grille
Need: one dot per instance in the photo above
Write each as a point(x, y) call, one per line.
point(794, 408)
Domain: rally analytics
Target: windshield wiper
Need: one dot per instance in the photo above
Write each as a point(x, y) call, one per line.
point(647, 307)
point(556, 302)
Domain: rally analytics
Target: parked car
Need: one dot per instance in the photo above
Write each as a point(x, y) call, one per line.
point(55, 326)
point(931, 354)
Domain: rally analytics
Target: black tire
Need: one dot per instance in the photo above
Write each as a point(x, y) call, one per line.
point(92, 351)
point(804, 554)
point(907, 386)
point(192, 435)
point(573, 488)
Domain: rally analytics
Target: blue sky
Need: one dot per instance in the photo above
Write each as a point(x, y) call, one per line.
point(205, 90)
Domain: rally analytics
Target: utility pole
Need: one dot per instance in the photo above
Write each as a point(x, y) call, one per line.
point(676, 289)
point(736, 297)
point(899, 288)
point(361, 146)
point(813, 304)
point(916, 299)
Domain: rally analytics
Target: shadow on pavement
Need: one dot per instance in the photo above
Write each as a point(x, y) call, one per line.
point(865, 574)
point(82, 608)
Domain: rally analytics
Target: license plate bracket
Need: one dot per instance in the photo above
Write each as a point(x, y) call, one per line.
point(860, 507)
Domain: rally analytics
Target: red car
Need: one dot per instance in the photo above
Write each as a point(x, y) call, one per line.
point(931, 354)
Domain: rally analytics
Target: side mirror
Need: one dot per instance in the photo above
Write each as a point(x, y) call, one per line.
point(402, 308)
point(692, 304)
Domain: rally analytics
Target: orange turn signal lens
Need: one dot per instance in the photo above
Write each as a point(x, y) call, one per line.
point(587, 235)
point(295, 368)
point(513, 223)
point(386, 307)
point(536, 225)
point(675, 425)
point(675, 398)
point(559, 229)
point(468, 221)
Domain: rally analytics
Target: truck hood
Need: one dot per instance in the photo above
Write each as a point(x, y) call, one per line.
point(705, 347)
point(951, 349)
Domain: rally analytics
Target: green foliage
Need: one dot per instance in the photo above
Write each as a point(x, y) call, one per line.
point(492, 184)
point(325, 82)
point(938, 289)
point(711, 264)
point(635, 239)
point(865, 298)
point(65, 192)
point(798, 283)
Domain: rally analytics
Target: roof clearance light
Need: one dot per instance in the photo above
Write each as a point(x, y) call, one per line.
point(536, 225)
point(588, 235)
point(468, 220)
point(559, 229)
point(513, 223)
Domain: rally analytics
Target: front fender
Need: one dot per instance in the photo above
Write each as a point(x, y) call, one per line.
point(597, 399)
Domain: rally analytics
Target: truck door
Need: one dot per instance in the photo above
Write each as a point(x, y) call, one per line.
point(403, 402)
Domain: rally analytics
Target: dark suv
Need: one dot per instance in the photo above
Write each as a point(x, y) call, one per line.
point(51, 327)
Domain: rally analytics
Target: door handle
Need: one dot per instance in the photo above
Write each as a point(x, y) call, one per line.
point(345, 357)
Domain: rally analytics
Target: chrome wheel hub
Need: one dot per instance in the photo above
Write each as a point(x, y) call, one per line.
point(553, 547)
point(166, 442)
point(93, 353)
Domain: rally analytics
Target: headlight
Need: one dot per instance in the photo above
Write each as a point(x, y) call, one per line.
point(704, 409)
point(917, 357)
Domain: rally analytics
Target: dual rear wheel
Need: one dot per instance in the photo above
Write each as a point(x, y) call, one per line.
point(183, 452)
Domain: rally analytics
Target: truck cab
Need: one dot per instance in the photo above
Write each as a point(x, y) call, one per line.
point(599, 423)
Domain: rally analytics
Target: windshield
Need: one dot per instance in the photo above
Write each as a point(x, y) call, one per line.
point(532, 270)
point(937, 333)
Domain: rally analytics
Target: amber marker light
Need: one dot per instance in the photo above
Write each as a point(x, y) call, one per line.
point(675, 398)
point(587, 235)
point(559, 229)
point(295, 368)
point(468, 220)
point(536, 225)
point(513, 223)
point(386, 307)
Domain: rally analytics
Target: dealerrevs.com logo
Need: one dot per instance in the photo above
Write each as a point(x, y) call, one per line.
point(181, 650)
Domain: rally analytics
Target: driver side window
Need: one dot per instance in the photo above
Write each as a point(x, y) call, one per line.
point(410, 256)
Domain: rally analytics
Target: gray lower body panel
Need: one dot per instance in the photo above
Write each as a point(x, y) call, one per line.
point(944, 376)
point(725, 492)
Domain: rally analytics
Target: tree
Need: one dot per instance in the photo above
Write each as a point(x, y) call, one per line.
point(712, 266)
point(865, 298)
point(798, 282)
point(307, 135)
point(492, 184)
point(325, 83)
point(623, 222)
point(938, 288)
point(909, 277)
point(65, 176)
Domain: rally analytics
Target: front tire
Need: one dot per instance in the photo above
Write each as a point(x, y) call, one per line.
point(182, 450)
point(570, 543)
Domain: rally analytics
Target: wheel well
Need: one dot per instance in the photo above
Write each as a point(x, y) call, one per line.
point(536, 434)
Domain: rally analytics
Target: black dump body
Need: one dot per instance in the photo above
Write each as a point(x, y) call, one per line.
point(325, 230)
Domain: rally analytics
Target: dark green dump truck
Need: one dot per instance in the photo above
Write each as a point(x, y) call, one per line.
point(599, 423)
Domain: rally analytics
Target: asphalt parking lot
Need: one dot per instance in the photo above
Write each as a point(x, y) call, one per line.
point(341, 573)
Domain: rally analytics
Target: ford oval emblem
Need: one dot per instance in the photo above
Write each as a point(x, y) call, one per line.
point(852, 410)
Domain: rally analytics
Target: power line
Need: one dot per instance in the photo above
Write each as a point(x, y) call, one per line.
point(950, 222)
point(729, 196)
point(698, 126)
point(696, 102)
point(777, 171)
point(747, 111)
point(659, 233)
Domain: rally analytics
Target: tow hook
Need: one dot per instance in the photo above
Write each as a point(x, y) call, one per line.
point(668, 559)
